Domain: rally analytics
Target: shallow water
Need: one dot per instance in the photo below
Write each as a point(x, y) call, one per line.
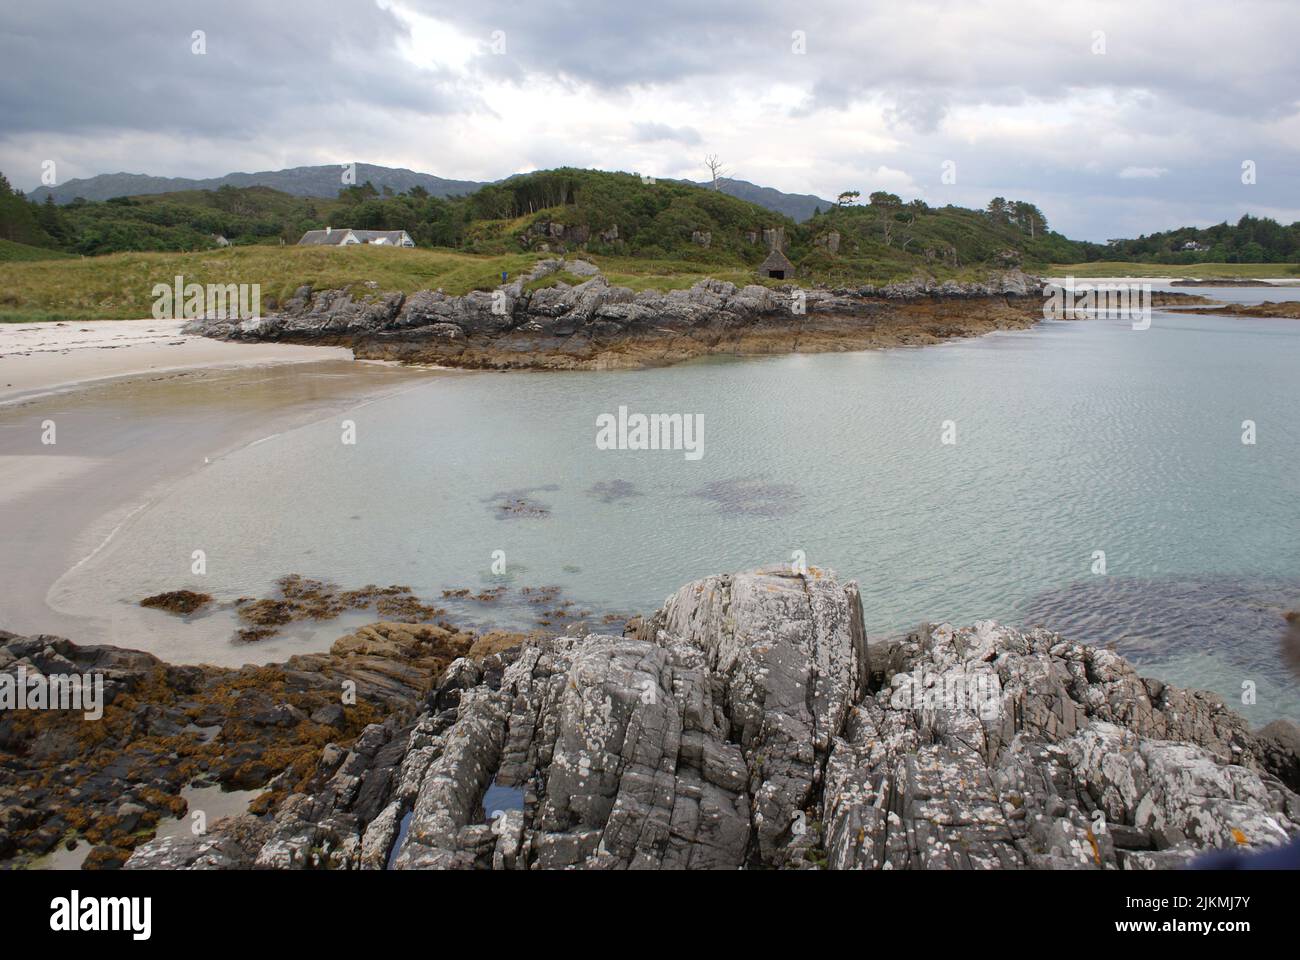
point(1071, 438)
point(211, 801)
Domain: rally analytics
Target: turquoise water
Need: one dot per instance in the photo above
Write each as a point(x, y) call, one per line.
point(1071, 438)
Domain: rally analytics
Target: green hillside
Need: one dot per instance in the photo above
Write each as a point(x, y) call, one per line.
point(643, 233)
point(888, 239)
point(11, 252)
point(562, 211)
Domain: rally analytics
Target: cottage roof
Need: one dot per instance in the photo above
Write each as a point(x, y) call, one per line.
point(323, 238)
point(776, 260)
point(370, 236)
point(338, 235)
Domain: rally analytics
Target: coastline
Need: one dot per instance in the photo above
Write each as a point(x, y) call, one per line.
point(62, 503)
point(39, 359)
point(284, 708)
point(1027, 734)
point(541, 322)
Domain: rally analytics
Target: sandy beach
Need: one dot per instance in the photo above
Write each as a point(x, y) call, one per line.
point(42, 358)
point(135, 407)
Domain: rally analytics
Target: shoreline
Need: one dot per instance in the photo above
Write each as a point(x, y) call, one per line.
point(62, 504)
point(539, 322)
point(594, 326)
point(487, 706)
point(46, 359)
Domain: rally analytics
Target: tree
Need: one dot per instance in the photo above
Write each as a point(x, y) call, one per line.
point(847, 198)
point(997, 210)
point(880, 198)
point(18, 218)
point(51, 221)
point(717, 172)
point(1028, 218)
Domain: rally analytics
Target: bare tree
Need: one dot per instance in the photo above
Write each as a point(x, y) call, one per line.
point(717, 172)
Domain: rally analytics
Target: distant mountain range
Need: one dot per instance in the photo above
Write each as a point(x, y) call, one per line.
point(797, 206)
point(322, 181)
point(326, 181)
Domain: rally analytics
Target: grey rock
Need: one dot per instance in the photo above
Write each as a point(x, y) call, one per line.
point(749, 724)
point(570, 319)
point(1280, 742)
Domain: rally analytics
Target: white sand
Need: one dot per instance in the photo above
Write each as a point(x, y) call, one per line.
point(121, 444)
point(42, 358)
point(21, 475)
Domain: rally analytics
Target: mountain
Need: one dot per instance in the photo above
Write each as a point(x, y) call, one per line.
point(797, 206)
point(325, 181)
point(320, 181)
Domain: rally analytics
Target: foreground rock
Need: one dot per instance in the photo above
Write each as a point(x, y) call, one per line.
point(109, 782)
point(749, 723)
point(592, 325)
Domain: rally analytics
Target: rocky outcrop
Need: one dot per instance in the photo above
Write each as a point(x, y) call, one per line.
point(1286, 309)
point(593, 325)
point(750, 723)
point(109, 780)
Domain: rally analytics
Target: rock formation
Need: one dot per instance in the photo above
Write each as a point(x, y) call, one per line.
point(592, 325)
point(104, 781)
point(750, 723)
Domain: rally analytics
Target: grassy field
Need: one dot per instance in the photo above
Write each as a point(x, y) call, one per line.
point(1203, 271)
point(11, 252)
point(120, 286)
point(41, 285)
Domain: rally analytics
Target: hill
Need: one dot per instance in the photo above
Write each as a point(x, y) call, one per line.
point(1249, 240)
point(317, 181)
point(187, 220)
point(797, 206)
point(887, 239)
point(642, 233)
point(619, 214)
point(11, 252)
point(325, 182)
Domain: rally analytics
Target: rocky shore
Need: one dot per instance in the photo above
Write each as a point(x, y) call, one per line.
point(1286, 309)
point(539, 321)
point(749, 723)
point(110, 782)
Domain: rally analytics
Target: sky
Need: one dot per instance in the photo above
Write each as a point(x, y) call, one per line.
point(1116, 118)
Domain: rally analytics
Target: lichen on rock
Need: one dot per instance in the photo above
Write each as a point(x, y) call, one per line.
point(749, 723)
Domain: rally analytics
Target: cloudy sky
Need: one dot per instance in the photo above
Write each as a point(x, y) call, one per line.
point(1117, 118)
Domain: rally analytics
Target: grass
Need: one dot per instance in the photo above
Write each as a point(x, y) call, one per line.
point(554, 280)
point(647, 274)
point(120, 286)
point(42, 285)
point(12, 252)
point(1206, 271)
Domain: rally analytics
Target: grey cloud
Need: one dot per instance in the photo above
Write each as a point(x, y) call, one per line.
point(1191, 87)
point(1227, 61)
point(653, 132)
point(77, 66)
point(917, 112)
